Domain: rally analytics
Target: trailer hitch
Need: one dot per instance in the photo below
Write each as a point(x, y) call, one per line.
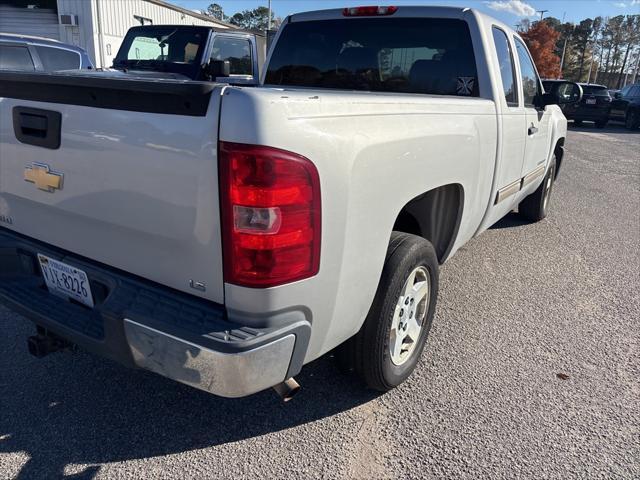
point(45, 342)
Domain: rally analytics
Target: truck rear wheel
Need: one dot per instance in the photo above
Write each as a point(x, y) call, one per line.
point(535, 206)
point(387, 348)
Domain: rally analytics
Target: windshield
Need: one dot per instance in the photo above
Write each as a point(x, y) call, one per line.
point(411, 55)
point(164, 48)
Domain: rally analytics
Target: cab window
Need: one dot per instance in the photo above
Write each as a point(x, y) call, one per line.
point(405, 55)
point(530, 81)
point(237, 51)
point(505, 60)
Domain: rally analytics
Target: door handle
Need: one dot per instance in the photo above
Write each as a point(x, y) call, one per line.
point(33, 125)
point(38, 127)
point(533, 129)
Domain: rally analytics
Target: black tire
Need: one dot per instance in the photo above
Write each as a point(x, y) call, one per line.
point(602, 123)
point(369, 350)
point(632, 120)
point(535, 207)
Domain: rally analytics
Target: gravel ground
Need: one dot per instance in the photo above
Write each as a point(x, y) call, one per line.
point(532, 370)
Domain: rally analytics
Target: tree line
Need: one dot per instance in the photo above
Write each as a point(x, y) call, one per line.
point(603, 50)
point(256, 19)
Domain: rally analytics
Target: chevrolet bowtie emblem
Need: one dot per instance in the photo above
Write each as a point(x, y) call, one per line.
point(43, 177)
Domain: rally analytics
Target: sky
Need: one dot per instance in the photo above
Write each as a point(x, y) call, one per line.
point(508, 11)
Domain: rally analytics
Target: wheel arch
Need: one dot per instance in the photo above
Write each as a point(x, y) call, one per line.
point(435, 216)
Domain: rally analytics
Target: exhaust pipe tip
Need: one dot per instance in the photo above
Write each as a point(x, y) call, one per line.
point(287, 389)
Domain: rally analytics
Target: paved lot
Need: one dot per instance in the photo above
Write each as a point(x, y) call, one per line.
point(519, 306)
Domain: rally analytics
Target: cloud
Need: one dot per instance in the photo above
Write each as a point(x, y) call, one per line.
point(515, 7)
point(626, 4)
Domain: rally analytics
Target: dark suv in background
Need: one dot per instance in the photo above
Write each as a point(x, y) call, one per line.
point(594, 106)
point(625, 106)
point(26, 53)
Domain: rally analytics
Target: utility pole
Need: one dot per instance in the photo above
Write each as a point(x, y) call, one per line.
point(593, 55)
point(542, 12)
point(269, 23)
point(635, 74)
point(564, 50)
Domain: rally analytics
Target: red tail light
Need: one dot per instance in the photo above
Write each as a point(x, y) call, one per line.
point(368, 11)
point(270, 215)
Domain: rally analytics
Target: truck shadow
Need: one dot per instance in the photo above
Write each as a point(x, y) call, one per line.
point(511, 220)
point(73, 408)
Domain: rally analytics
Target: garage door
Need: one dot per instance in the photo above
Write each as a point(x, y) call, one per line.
point(29, 21)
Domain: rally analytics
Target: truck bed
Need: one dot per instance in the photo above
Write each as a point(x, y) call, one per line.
point(138, 191)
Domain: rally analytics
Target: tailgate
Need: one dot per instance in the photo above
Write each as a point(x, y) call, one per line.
point(133, 183)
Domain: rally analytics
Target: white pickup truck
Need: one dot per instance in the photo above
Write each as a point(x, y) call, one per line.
point(224, 236)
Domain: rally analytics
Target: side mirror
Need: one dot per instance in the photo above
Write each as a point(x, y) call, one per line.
point(562, 93)
point(217, 68)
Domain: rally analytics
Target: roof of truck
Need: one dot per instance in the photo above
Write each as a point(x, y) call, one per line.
point(403, 10)
point(209, 27)
point(409, 11)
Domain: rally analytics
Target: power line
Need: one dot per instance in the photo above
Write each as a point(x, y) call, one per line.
point(542, 12)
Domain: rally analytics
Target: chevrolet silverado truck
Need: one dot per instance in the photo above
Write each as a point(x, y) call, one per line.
point(225, 236)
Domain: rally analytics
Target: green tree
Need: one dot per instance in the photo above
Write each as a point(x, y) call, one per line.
point(215, 10)
point(631, 35)
point(256, 19)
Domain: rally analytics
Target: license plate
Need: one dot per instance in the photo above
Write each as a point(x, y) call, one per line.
point(66, 281)
point(591, 101)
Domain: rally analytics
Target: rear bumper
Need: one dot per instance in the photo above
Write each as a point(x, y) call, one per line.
point(140, 324)
point(588, 114)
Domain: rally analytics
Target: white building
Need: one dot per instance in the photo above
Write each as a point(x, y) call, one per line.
point(98, 26)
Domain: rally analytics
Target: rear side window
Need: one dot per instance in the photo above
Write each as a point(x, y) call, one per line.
point(505, 60)
point(596, 91)
point(237, 51)
point(54, 59)
point(410, 55)
point(530, 83)
point(15, 58)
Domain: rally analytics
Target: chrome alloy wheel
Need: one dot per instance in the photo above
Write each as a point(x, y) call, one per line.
point(409, 315)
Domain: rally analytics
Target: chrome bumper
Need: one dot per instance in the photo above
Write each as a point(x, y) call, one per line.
point(225, 374)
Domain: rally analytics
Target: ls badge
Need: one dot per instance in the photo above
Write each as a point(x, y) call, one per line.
point(43, 177)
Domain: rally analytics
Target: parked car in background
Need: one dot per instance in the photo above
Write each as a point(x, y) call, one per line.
point(625, 106)
point(36, 54)
point(594, 106)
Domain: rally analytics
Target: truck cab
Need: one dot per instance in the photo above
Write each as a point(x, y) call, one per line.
point(191, 52)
